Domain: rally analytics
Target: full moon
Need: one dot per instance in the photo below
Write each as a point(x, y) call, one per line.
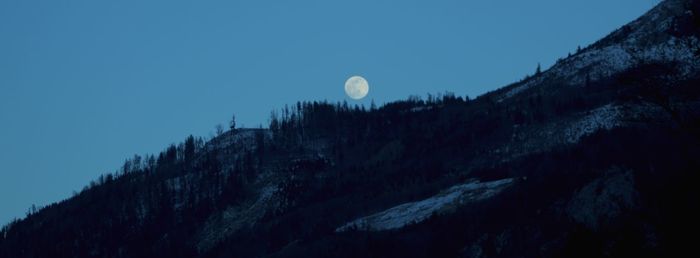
point(356, 87)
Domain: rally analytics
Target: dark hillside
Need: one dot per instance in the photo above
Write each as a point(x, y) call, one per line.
point(594, 157)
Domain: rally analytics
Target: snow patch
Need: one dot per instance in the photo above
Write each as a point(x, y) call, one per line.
point(233, 218)
point(419, 109)
point(237, 137)
point(414, 212)
point(606, 117)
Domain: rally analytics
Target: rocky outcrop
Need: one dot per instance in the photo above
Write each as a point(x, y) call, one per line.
point(604, 199)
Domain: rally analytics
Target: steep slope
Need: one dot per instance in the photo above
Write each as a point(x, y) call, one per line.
point(596, 156)
point(416, 212)
point(666, 34)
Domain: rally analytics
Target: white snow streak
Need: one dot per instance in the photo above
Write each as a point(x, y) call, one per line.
point(606, 117)
point(414, 212)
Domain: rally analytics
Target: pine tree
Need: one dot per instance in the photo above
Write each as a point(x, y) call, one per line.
point(190, 149)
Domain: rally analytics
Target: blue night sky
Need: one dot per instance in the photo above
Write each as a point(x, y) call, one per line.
point(86, 84)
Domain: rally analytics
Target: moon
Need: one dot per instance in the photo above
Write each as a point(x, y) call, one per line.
point(356, 87)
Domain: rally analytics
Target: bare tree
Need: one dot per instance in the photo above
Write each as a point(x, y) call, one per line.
point(219, 129)
point(232, 124)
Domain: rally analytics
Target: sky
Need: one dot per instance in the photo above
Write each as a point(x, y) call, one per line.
point(86, 84)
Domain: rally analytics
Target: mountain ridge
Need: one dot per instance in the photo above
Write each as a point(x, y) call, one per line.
point(592, 141)
point(660, 35)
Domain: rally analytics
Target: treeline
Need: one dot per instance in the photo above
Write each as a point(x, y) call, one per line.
point(151, 171)
point(148, 198)
point(372, 158)
point(293, 125)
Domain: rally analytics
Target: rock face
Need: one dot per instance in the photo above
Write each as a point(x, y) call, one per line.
point(415, 212)
point(604, 199)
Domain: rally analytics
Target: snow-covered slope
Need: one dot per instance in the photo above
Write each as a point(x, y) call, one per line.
point(414, 212)
point(657, 37)
point(528, 139)
point(233, 218)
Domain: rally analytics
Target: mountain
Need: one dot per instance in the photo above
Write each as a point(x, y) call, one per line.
point(595, 157)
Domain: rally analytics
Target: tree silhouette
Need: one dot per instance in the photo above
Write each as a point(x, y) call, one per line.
point(232, 123)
